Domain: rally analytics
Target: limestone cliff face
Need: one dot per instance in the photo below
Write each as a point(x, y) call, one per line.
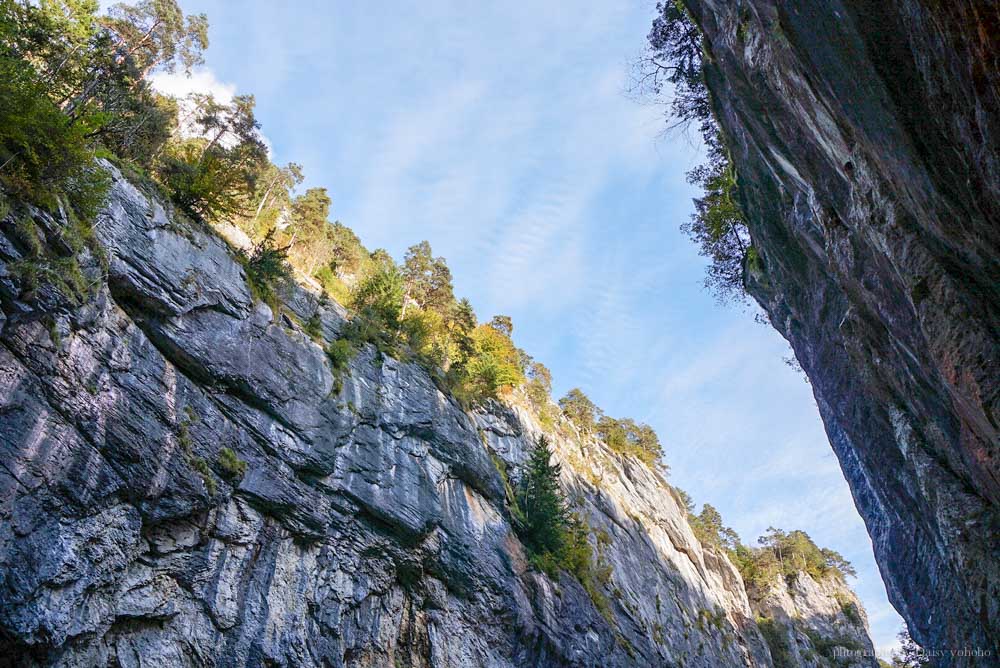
point(813, 623)
point(369, 527)
point(866, 137)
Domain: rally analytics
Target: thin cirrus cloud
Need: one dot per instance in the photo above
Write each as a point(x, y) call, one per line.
point(502, 133)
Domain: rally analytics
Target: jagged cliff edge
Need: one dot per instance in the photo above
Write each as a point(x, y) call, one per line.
point(369, 527)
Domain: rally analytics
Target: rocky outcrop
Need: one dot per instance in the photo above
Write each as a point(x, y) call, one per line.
point(814, 623)
point(186, 481)
point(866, 137)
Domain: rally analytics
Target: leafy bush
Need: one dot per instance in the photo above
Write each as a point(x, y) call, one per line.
point(580, 410)
point(266, 264)
point(233, 467)
point(340, 352)
point(493, 366)
point(777, 642)
point(205, 471)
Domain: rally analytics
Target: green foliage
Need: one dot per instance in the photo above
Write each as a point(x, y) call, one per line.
point(719, 228)
point(539, 391)
point(378, 302)
point(786, 555)
point(379, 296)
point(430, 338)
point(715, 618)
point(427, 279)
point(309, 235)
point(673, 66)
point(205, 471)
point(547, 521)
point(625, 436)
point(825, 646)
point(233, 467)
point(796, 552)
point(266, 265)
point(709, 529)
point(777, 642)
point(314, 327)
point(213, 176)
point(780, 554)
point(157, 34)
point(493, 366)
point(72, 86)
point(539, 386)
point(503, 324)
point(349, 255)
point(556, 539)
point(43, 152)
point(685, 499)
point(580, 410)
point(849, 609)
point(340, 352)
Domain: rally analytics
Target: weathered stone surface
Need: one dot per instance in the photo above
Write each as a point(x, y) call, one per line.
point(866, 136)
point(369, 529)
point(815, 623)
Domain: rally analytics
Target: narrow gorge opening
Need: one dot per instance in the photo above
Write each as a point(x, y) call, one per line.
point(515, 335)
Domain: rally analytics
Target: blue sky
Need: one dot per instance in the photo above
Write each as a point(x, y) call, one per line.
point(501, 133)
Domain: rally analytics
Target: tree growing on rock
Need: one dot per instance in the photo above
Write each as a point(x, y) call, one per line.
point(427, 278)
point(673, 66)
point(540, 499)
point(580, 410)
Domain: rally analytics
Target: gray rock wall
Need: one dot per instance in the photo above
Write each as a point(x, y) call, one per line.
point(865, 137)
point(369, 527)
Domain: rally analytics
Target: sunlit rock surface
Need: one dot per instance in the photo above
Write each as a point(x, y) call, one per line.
point(370, 526)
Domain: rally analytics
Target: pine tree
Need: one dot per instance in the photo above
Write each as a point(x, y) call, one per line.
point(546, 520)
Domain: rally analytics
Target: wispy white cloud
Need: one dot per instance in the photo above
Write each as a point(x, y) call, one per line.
point(501, 134)
point(201, 81)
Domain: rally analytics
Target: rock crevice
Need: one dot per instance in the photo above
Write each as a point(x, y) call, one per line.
point(865, 138)
point(369, 527)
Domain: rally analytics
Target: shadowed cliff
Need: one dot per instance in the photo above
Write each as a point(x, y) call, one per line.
point(865, 138)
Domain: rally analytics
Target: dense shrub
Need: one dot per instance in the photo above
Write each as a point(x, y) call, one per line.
point(493, 366)
point(340, 352)
point(781, 554)
point(266, 265)
point(232, 466)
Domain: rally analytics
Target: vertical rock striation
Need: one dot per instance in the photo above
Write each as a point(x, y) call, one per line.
point(369, 527)
point(866, 136)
